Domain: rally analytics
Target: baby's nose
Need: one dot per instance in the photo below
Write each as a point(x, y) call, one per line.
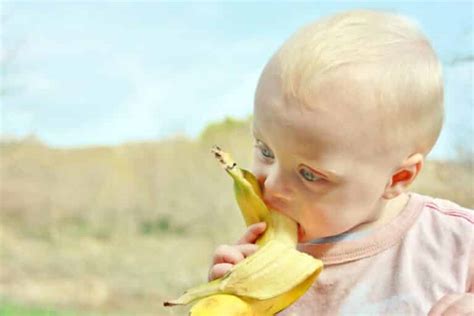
point(275, 191)
point(274, 197)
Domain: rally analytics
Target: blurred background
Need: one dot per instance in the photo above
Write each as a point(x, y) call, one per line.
point(110, 199)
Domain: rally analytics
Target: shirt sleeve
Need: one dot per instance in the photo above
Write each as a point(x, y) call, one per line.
point(470, 277)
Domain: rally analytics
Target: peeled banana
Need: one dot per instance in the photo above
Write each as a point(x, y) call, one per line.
point(269, 280)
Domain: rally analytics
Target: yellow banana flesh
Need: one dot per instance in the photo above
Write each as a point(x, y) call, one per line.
point(231, 305)
point(222, 304)
point(267, 281)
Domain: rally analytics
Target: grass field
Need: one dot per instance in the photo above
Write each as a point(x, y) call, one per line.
point(117, 230)
point(16, 309)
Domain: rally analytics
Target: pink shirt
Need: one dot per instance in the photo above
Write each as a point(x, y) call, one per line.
point(402, 268)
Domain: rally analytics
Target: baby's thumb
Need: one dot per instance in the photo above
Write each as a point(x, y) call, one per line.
point(253, 232)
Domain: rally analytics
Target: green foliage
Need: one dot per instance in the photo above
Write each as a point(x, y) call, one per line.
point(13, 309)
point(161, 225)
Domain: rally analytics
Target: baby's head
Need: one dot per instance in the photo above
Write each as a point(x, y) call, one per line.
point(345, 112)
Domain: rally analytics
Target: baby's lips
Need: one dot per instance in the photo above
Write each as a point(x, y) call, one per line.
point(300, 232)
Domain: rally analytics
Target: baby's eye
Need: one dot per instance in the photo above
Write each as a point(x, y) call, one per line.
point(309, 175)
point(264, 150)
point(267, 153)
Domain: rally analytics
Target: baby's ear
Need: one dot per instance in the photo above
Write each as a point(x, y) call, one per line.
point(404, 176)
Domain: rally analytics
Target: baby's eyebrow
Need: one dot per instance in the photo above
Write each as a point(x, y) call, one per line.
point(254, 132)
point(327, 172)
point(332, 174)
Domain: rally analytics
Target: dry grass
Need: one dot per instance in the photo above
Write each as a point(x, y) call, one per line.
point(123, 228)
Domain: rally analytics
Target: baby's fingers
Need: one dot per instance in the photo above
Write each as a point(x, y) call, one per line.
point(218, 270)
point(226, 257)
point(233, 254)
point(253, 232)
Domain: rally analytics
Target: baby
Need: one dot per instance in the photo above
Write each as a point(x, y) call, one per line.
point(345, 113)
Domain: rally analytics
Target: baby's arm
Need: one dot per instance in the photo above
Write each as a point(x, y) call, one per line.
point(457, 303)
point(454, 304)
point(226, 256)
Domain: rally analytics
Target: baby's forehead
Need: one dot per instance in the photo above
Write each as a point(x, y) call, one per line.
point(334, 123)
point(340, 99)
point(352, 89)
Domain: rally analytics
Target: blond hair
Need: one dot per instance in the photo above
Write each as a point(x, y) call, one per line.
point(409, 76)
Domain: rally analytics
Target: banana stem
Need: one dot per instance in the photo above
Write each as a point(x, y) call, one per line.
point(196, 293)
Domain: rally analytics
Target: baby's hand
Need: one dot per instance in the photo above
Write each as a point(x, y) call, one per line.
point(226, 256)
point(454, 304)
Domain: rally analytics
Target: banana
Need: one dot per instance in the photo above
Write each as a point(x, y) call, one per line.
point(267, 281)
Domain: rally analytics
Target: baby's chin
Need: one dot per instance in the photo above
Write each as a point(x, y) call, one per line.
point(304, 236)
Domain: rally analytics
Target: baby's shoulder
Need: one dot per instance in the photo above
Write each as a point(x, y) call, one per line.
point(442, 217)
point(448, 210)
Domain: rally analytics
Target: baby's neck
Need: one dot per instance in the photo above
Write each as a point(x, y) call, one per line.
point(390, 209)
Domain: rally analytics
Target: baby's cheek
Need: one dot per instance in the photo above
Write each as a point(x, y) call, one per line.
point(260, 177)
point(257, 168)
point(333, 218)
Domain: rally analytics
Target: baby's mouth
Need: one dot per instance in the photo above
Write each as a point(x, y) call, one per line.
point(300, 233)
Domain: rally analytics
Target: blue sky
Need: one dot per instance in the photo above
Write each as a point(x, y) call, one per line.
point(89, 73)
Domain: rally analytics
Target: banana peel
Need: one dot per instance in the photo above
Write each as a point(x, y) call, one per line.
point(269, 280)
